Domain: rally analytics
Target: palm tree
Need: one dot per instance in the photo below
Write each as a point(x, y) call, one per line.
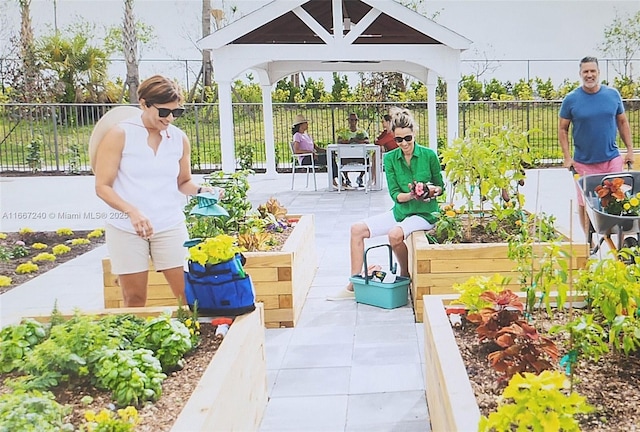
point(130, 47)
point(80, 67)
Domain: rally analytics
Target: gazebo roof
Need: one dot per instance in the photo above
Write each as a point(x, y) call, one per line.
point(287, 36)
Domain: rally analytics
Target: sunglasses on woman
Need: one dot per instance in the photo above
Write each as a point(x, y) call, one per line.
point(164, 112)
point(407, 138)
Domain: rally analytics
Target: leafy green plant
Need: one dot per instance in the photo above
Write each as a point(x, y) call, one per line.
point(234, 201)
point(245, 155)
point(483, 163)
point(123, 420)
point(612, 287)
point(134, 376)
point(19, 251)
point(32, 411)
point(189, 317)
point(75, 161)
point(123, 328)
point(169, 339)
point(471, 290)
point(624, 334)
point(17, 341)
point(68, 352)
point(448, 227)
point(536, 403)
point(5, 254)
point(34, 156)
point(587, 339)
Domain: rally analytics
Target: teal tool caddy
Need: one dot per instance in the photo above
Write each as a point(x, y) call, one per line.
point(384, 295)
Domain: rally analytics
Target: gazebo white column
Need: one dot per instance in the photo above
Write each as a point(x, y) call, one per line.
point(452, 108)
point(432, 83)
point(227, 142)
point(269, 142)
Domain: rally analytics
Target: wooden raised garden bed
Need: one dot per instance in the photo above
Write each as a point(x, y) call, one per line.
point(281, 279)
point(232, 392)
point(450, 398)
point(435, 268)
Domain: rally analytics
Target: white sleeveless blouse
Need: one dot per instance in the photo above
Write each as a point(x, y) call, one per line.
point(150, 182)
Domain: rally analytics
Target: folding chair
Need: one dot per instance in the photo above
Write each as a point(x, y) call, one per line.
point(296, 164)
point(353, 158)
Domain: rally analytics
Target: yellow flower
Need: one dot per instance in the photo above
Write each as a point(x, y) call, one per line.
point(89, 416)
point(626, 206)
point(214, 250)
point(129, 415)
point(25, 230)
point(27, 267)
point(64, 232)
point(450, 213)
point(634, 201)
point(79, 241)
point(39, 246)
point(103, 416)
point(519, 222)
point(188, 322)
point(60, 249)
point(44, 256)
point(5, 281)
point(96, 233)
point(2, 236)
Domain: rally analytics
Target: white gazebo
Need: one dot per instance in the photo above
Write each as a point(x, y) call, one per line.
point(288, 36)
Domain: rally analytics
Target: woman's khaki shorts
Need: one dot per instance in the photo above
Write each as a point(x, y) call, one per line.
point(130, 253)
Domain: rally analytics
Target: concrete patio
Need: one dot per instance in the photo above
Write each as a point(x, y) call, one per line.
point(346, 366)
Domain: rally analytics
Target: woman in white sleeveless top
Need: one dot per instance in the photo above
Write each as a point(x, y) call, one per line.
point(143, 170)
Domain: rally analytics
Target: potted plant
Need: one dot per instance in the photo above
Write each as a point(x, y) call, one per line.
point(486, 170)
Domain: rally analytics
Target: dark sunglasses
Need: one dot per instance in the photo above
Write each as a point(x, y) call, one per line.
point(404, 138)
point(164, 112)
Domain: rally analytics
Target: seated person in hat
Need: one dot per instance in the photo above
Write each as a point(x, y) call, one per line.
point(303, 143)
point(353, 135)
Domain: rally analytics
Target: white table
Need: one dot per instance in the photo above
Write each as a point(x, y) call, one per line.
point(332, 149)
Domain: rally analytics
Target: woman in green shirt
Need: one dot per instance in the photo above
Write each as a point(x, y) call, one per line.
point(405, 167)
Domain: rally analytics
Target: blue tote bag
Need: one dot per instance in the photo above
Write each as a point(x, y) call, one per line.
point(222, 289)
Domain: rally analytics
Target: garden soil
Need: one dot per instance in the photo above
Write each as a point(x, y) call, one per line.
point(611, 386)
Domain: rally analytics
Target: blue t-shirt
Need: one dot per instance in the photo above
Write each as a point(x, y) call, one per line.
point(593, 116)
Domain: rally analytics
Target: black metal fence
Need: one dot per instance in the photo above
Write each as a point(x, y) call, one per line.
point(54, 137)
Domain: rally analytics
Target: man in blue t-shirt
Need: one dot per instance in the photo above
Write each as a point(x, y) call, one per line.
point(597, 114)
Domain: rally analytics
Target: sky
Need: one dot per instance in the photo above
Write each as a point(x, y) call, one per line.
point(552, 34)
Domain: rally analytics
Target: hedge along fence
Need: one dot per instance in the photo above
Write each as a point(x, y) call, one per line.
point(54, 137)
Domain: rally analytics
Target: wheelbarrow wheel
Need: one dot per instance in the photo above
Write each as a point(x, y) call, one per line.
point(626, 256)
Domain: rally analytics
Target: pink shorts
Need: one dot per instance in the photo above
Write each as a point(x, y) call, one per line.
point(612, 166)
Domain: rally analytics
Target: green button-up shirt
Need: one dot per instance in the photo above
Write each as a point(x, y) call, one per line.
point(425, 167)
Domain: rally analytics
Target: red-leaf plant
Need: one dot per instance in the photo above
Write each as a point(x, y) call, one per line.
point(519, 347)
